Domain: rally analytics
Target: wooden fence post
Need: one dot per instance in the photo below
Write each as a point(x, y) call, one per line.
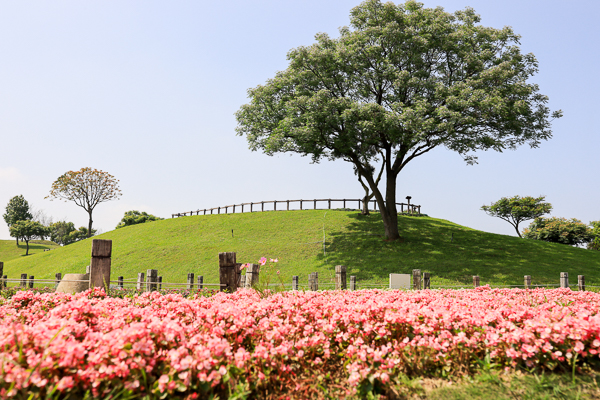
point(313, 281)
point(416, 276)
point(301, 204)
point(262, 206)
point(5, 279)
point(100, 264)
point(329, 204)
point(140, 281)
point(352, 282)
point(2, 281)
point(120, 282)
point(340, 277)
point(23, 280)
point(243, 281)
point(228, 271)
point(251, 206)
point(252, 275)
point(31, 278)
point(160, 283)
point(200, 282)
point(527, 281)
point(476, 282)
point(288, 205)
point(57, 278)
point(151, 280)
point(190, 280)
point(295, 282)
point(274, 205)
point(581, 283)
point(426, 280)
point(564, 279)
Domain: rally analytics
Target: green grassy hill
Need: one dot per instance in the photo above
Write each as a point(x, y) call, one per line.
point(450, 252)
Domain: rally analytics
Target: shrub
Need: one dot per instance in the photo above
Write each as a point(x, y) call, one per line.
point(559, 230)
point(135, 217)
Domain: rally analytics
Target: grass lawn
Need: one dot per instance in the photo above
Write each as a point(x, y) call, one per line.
point(10, 251)
point(450, 252)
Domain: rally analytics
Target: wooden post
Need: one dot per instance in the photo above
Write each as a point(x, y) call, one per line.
point(313, 281)
point(160, 283)
point(288, 205)
point(200, 282)
point(242, 207)
point(58, 278)
point(243, 281)
point(219, 210)
point(564, 279)
point(301, 204)
point(251, 207)
point(315, 207)
point(226, 207)
point(23, 280)
point(262, 206)
point(416, 278)
point(295, 282)
point(274, 205)
point(5, 278)
point(120, 282)
point(190, 280)
point(352, 282)
point(227, 272)
point(340, 277)
point(345, 203)
point(426, 280)
point(100, 264)
point(329, 204)
point(476, 281)
point(140, 281)
point(151, 280)
point(581, 283)
point(419, 210)
point(252, 275)
point(374, 205)
point(527, 281)
point(2, 280)
point(31, 278)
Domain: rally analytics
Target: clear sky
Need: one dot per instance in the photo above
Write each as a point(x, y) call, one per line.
point(147, 91)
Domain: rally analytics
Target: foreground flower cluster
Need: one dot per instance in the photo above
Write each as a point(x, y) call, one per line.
point(288, 344)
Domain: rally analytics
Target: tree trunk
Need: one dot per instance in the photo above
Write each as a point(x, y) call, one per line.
point(27, 250)
point(17, 241)
point(365, 205)
point(388, 208)
point(89, 232)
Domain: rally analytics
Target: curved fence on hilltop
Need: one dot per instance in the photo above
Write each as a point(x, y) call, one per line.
point(272, 206)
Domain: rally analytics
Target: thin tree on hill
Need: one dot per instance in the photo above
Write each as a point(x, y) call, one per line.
point(403, 80)
point(516, 209)
point(87, 188)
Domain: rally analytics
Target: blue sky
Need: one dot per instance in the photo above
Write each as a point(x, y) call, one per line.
point(147, 91)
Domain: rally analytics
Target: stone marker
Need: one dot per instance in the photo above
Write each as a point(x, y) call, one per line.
point(65, 286)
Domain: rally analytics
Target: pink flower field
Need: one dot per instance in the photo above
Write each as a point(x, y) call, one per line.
point(287, 345)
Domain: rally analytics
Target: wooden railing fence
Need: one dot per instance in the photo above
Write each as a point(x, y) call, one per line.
point(410, 208)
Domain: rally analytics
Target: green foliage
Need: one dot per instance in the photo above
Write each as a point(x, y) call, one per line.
point(450, 252)
point(17, 209)
point(559, 230)
point(595, 243)
point(400, 81)
point(28, 230)
point(135, 217)
point(516, 209)
point(64, 233)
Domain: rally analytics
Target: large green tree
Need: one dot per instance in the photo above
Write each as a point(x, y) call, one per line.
point(517, 209)
point(87, 188)
point(17, 209)
point(401, 80)
point(559, 230)
point(28, 230)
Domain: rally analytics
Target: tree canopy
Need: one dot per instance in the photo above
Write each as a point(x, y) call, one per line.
point(27, 230)
point(17, 209)
point(559, 230)
point(516, 209)
point(87, 188)
point(400, 81)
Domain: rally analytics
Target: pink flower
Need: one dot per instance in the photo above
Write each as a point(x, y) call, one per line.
point(274, 260)
point(262, 261)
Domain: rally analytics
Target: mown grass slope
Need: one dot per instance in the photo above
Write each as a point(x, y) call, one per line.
point(450, 252)
point(10, 251)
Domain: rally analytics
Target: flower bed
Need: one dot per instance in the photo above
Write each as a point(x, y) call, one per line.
point(296, 344)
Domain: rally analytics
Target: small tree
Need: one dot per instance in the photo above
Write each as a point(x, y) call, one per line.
point(87, 188)
point(515, 210)
point(595, 244)
point(28, 230)
point(559, 230)
point(17, 209)
point(135, 217)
